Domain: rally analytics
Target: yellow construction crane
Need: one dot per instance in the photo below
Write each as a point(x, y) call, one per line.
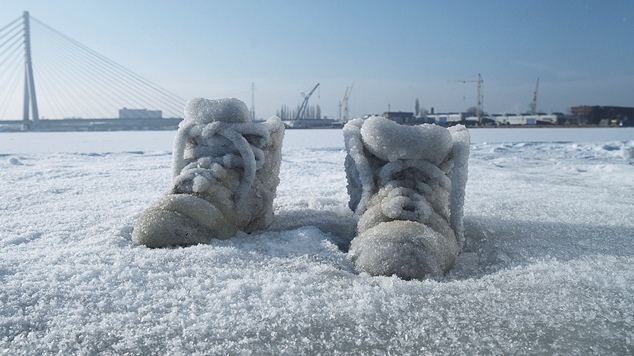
point(479, 92)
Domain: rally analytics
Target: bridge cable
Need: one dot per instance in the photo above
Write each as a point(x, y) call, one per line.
point(11, 23)
point(73, 77)
point(133, 89)
point(174, 99)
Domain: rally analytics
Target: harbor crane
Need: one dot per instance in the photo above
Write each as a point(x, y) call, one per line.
point(534, 103)
point(346, 96)
point(479, 92)
point(304, 106)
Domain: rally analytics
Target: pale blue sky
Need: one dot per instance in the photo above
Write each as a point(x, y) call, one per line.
point(394, 51)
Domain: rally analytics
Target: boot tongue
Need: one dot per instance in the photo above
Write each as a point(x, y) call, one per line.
point(205, 111)
point(390, 141)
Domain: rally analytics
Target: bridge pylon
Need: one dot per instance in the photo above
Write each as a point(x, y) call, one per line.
point(30, 118)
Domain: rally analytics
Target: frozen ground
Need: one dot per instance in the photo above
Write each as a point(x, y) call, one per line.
point(549, 266)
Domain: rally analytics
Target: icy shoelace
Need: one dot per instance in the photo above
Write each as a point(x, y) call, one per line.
point(398, 186)
point(405, 196)
point(203, 153)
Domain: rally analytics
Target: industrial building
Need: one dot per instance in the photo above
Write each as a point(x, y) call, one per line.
point(403, 118)
point(604, 115)
point(126, 113)
point(454, 118)
point(449, 119)
point(525, 119)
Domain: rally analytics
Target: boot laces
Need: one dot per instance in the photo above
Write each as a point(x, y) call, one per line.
point(205, 154)
point(413, 189)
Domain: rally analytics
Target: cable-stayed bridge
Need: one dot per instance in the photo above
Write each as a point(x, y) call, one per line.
point(48, 81)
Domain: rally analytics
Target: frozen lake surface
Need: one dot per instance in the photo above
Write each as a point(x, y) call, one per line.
point(126, 141)
point(548, 268)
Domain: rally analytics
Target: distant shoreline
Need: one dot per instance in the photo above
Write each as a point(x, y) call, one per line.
point(12, 128)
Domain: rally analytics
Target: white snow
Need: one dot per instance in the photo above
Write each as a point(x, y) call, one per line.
point(548, 265)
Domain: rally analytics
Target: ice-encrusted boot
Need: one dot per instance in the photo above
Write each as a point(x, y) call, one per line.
point(406, 187)
point(225, 172)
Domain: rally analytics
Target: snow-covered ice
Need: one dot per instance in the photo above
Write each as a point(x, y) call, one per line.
point(547, 268)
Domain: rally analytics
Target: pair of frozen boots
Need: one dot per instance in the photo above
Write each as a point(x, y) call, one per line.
point(406, 187)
